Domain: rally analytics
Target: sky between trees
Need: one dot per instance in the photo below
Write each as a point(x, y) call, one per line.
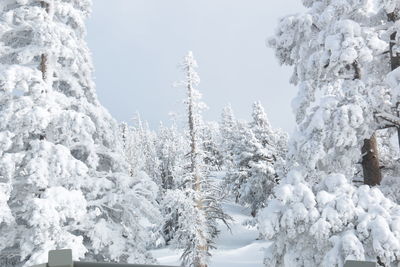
point(136, 45)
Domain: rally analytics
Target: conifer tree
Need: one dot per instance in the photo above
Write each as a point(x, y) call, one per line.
point(342, 78)
point(60, 157)
point(258, 154)
point(317, 217)
point(228, 131)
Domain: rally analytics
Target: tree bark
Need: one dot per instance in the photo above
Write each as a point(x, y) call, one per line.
point(194, 166)
point(44, 58)
point(370, 162)
point(394, 59)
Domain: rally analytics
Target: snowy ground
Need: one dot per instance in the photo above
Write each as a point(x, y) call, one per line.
point(237, 249)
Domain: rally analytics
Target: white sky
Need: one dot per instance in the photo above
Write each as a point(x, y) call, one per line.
point(138, 44)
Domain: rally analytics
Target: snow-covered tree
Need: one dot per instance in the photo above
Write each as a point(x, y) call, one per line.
point(273, 139)
point(171, 150)
point(341, 53)
point(171, 147)
point(258, 153)
point(63, 180)
point(228, 132)
point(194, 205)
point(139, 145)
point(147, 139)
point(338, 222)
point(211, 138)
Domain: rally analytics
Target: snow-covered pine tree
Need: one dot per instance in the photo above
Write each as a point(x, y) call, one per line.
point(60, 159)
point(258, 152)
point(147, 139)
point(194, 205)
point(171, 151)
point(211, 140)
point(317, 216)
point(228, 135)
point(274, 140)
point(341, 76)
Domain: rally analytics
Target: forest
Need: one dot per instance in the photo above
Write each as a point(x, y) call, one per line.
point(193, 192)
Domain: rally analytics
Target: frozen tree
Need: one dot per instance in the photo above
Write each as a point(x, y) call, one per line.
point(339, 222)
point(341, 52)
point(228, 135)
point(171, 150)
point(258, 152)
point(194, 206)
point(139, 144)
point(147, 140)
point(62, 177)
point(211, 138)
point(274, 140)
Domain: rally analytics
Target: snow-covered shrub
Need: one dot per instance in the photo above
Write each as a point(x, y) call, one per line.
point(330, 224)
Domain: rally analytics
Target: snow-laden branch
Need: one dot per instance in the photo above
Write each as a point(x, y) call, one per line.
point(389, 118)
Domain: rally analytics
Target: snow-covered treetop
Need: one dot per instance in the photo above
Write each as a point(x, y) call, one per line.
point(190, 82)
point(189, 65)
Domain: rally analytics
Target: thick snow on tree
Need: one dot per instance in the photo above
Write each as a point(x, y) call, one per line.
point(171, 151)
point(340, 222)
point(339, 53)
point(139, 146)
point(317, 217)
point(63, 181)
point(211, 139)
point(227, 131)
point(259, 153)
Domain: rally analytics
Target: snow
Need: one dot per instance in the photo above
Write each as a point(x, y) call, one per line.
point(236, 248)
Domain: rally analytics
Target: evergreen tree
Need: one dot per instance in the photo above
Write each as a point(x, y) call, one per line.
point(317, 217)
point(258, 154)
point(171, 151)
point(60, 159)
point(210, 137)
point(228, 137)
point(341, 75)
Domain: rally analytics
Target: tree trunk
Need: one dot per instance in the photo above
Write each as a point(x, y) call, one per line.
point(370, 162)
point(201, 250)
point(44, 57)
point(394, 59)
point(369, 151)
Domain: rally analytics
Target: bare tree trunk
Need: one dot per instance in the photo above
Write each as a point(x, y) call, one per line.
point(43, 66)
point(369, 151)
point(370, 162)
point(195, 169)
point(44, 57)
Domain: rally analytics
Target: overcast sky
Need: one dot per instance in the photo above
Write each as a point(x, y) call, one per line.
point(138, 44)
